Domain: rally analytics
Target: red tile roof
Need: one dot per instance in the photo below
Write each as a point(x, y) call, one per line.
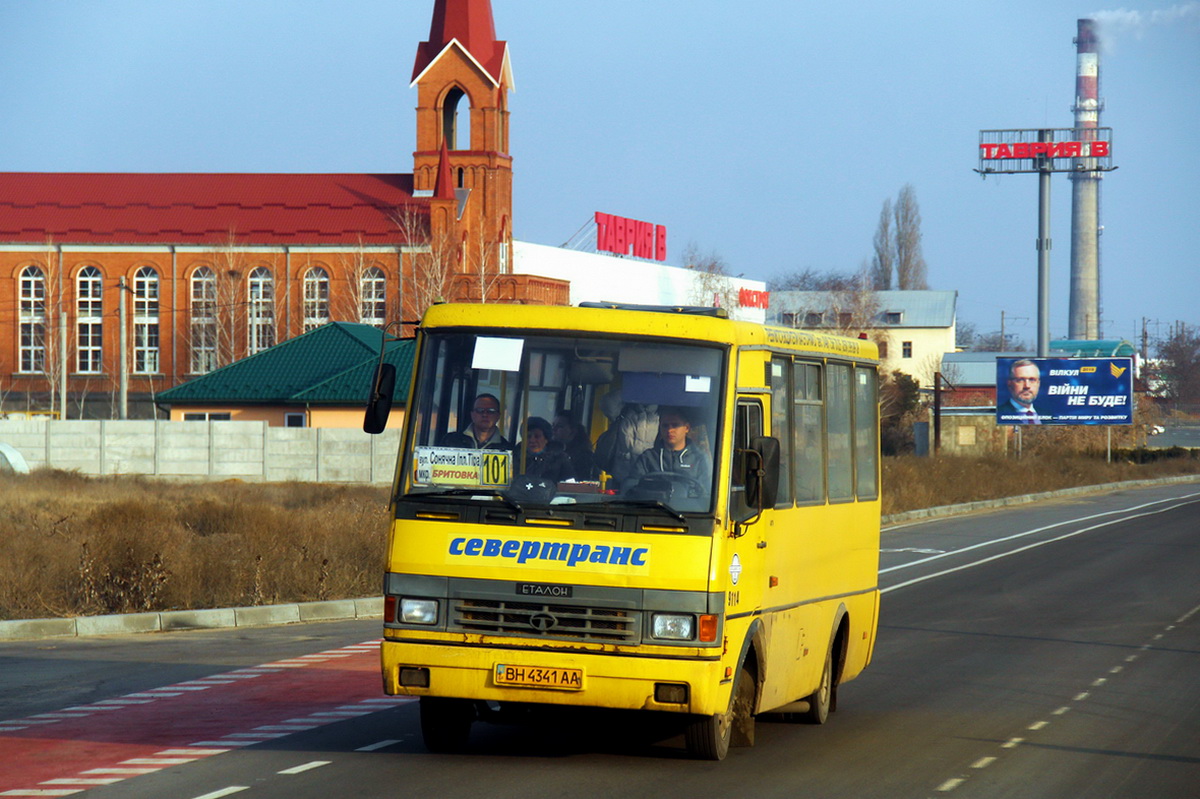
point(267, 209)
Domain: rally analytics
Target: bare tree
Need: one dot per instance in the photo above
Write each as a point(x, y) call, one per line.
point(1179, 366)
point(216, 300)
point(883, 262)
point(910, 263)
point(711, 283)
point(434, 264)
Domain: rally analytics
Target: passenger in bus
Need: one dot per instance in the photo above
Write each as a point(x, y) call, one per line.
point(632, 429)
point(572, 440)
point(675, 453)
point(483, 432)
point(535, 455)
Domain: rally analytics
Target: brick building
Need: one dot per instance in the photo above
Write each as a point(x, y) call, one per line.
point(114, 287)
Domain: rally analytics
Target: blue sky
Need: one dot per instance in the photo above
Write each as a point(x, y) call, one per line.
point(768, 132)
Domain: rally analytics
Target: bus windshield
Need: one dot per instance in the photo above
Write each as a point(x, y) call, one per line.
point(542, 419)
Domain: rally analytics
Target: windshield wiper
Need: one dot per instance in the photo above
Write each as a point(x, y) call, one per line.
point(482, 493)
point(657, 504)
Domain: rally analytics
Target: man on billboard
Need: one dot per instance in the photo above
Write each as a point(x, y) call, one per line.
point(1024, 382)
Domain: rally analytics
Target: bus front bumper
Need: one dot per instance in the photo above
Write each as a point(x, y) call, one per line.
point(554, 677)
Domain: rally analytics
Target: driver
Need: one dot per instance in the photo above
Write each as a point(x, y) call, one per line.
point(673, 452)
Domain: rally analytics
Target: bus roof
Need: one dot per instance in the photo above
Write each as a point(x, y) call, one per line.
point(676, 322)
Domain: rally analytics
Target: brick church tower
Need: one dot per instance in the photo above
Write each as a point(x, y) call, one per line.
point(463, 76)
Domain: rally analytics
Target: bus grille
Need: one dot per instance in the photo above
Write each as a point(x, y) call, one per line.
point(617, 625)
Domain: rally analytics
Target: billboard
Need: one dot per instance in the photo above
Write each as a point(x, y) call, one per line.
point(1045, 150)
point(1064, 391)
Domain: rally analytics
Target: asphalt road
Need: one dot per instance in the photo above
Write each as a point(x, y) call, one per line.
point(1045, 651)
point(1176, 434)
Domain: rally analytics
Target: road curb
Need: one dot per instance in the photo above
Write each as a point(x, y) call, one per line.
point(894, 519)
point(211, 619)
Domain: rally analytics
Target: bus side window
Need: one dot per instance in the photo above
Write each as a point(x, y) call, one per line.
point(781, 423)
point(808, 436)
point(747, 426)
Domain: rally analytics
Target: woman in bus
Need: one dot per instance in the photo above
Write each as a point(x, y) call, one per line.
point(571, 437)
point(535, 458)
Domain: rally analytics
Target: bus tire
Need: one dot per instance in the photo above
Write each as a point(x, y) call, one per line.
point(820, 700)
point(708, 737)
point(446, 723)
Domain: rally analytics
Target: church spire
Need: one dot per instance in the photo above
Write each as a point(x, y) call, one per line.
point(469, 23)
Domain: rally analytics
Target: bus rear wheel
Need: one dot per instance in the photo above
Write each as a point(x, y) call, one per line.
point(708, 737)
point(821, 699)
point(446, 723)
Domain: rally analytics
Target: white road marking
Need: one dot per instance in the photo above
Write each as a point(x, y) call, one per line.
point(1012, 743)
point(1062, 710)
point(306, 767)
point(82, 781)
point(1081, 696)
point(232, 789)
point(288, 727)
point(157, 761)
point(191, 751)
point(128, 772)
point(1188, 615)
point(1025, 548)
point(983, 762)
point(1037, 725)
point(373, 747)
point(1099, 682)
point(44, 792)
point(950, 785)
point(262, 736)
point(156, 694)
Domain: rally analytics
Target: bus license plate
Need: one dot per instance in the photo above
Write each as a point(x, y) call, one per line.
point(539, 677)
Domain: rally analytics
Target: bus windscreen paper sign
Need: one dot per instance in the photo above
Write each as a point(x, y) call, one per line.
point(1064, 391)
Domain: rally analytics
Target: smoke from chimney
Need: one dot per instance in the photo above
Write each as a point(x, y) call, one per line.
point(1124, 22)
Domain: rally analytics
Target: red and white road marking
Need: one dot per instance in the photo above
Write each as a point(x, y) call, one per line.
point(70, 750)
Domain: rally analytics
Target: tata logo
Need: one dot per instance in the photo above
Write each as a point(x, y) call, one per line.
point(543, 622)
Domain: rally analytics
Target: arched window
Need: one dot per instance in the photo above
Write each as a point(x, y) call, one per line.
point(372, 290)
point(261, 310)
point(316, 298)
point(456, 121)
point(204, 321)
point(89, 320)
point(32, 320)
point(145, 321)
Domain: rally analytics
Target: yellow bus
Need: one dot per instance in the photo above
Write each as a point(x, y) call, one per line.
point(710, 547)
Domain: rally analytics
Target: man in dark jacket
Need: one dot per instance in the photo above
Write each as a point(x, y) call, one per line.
point(483, 432)
point(674, 453)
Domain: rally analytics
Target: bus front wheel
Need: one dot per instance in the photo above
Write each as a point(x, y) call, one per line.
point(708, 737)
point(446, 723)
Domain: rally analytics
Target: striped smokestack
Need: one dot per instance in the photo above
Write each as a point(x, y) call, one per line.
point(1084, 320)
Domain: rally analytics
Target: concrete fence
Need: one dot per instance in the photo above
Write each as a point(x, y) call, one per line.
point(205, 450)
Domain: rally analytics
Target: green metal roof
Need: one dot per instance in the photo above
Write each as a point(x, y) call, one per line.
point(1102, 348)
point(330, 365)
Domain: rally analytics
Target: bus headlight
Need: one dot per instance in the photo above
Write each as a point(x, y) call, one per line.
point(418, 611)
point(674, 626)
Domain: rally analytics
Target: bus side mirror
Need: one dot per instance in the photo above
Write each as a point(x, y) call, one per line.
point(379, 405)
point(761, 476)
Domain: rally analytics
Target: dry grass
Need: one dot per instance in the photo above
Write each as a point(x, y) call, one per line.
point(73, 545)
point(910, 483)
